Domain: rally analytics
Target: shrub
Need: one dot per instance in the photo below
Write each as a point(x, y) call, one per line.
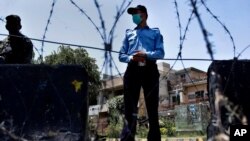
point(142, 132)
point(169, 125)
point(114, 130)
point(115, 117)
point(163, 131)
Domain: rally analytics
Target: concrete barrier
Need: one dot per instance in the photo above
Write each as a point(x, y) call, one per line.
point(228, 88)
point(40, 102)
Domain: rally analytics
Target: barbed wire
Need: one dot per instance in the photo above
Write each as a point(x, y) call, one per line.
point(111, 70)
point(119, 73)
point(36, 49)
point(181, 40)
point(109, 39)
point(2, 20)
point(107, 42)
point(103, 65)
point(108, 62)
point(179, 57)
point(10, 133)
point(103, 27)
point(232, 68)
point(223, 25)
point(203, 29)
point(88, 17)
point(179, 25)
point(191, 59)
point(243, 51)
point(186, 29)
point(120, 12)
point(46, 28)
point(192, 81)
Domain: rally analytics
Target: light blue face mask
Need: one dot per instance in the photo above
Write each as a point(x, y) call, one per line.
point(137, 18)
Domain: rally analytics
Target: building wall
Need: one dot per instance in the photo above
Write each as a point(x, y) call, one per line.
point(185, 76)
point(115, 83)
point(197, 75)
point(164, 70)
point(190, 90)
point(172, 90)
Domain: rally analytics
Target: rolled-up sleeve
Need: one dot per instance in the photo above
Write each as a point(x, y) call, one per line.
point(158, 52)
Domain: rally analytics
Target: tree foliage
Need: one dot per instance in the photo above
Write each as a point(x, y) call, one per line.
point(79, 56)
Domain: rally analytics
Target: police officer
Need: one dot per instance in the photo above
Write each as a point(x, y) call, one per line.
point(141, 48)
point(16, 48)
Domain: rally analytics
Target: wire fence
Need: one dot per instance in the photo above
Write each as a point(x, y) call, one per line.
point(108, 37)
point(2, 20)
point(46, 30)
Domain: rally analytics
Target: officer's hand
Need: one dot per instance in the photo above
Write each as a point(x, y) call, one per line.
point(141, 53)
point(139, 56)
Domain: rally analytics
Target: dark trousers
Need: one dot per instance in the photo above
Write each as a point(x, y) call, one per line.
point(136, 77)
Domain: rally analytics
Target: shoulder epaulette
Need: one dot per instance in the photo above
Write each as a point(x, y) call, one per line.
point(129, 30)
point(156, 30)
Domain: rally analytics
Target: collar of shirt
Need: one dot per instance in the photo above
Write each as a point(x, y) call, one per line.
point(145, 27)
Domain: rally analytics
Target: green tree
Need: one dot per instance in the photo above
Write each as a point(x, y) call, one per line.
point(79, 56)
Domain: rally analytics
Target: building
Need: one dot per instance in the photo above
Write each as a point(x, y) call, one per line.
point(184, 86)
point(177, 87)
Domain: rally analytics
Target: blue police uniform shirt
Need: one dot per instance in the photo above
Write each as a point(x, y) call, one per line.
point(148, 40)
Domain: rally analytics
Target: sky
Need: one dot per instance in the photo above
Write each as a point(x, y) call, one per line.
point(69, 25)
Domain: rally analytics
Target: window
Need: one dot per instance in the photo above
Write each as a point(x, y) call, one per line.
point(174, 99)
point(199, 94)
point(183, 77)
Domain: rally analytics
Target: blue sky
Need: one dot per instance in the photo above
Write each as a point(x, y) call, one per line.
point(70, 26)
